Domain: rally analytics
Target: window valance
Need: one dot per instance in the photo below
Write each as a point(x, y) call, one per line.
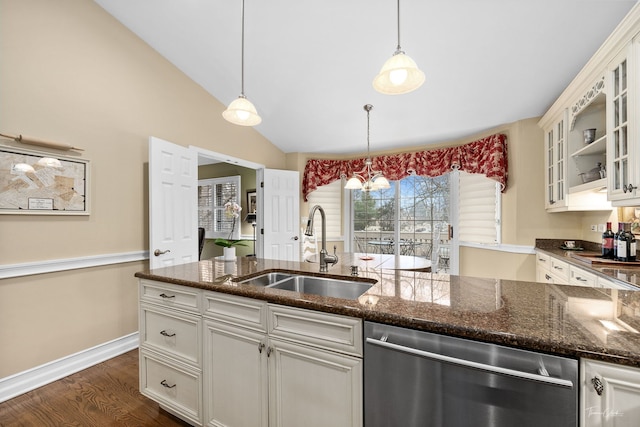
point(487, 156)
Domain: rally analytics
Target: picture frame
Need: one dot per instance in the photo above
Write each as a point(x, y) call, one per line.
point(43, 183)
point(252, 201)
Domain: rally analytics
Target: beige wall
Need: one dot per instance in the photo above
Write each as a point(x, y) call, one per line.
point(69, 72)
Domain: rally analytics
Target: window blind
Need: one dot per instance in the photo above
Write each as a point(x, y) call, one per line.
point(330, 198)
point(479, 209)
point(213, 193)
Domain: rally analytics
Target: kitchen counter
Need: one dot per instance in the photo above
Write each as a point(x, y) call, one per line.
point(627, 273)
point(559, 319)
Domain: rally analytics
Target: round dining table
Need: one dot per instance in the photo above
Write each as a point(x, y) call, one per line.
point(382, 261)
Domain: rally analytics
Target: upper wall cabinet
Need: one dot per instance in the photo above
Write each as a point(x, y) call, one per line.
point(623, 123)
point(592, 149)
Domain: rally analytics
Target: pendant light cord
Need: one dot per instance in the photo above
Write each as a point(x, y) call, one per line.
point(368, 108)
point(398, 48)
point(242, 55)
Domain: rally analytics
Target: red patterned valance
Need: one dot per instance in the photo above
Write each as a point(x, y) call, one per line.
point(487, 156)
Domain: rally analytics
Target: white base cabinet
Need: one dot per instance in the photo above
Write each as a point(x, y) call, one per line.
point(610, 395)
point(227, 361)
point(255, 377)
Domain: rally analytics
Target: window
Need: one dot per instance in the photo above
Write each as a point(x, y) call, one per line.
point(404, 219)
point(330, 198)
point(213, 193)
point(478, 209)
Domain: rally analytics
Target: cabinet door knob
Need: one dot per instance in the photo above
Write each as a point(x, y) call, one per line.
point(597, 385)
point(260, 347)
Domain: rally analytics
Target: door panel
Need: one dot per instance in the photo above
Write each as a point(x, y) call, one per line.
point(173, 201)
point(280, 199)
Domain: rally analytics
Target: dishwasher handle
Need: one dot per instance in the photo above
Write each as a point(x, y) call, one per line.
point(470, 364)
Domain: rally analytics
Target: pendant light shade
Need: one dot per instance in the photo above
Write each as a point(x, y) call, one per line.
point(399, 74)
point(241, 111)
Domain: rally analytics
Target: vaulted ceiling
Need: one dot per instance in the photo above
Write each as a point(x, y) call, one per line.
point(309, 64)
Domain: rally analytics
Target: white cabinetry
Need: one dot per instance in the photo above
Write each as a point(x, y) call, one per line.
point(170, 348)
point(621, 107)
point(609, 395)
point(279, 366)
point(555, 163)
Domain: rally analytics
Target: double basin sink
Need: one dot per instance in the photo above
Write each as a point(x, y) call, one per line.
point(336, 288)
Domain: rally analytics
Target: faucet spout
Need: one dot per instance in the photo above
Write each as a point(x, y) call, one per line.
point(325, 258)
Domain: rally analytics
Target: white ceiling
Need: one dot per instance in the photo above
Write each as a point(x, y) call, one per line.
point(309, 64)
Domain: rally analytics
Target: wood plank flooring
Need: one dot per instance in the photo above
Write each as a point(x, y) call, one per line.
point(103, 395)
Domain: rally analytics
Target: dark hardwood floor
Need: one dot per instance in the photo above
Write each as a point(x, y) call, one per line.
point(103, 395)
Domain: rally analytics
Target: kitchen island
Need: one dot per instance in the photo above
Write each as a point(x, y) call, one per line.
point(555, 319)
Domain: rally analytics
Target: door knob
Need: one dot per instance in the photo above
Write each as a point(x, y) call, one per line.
point(158, 252)
point(295, 237)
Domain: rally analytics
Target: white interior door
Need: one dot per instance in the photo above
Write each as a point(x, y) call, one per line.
point(173, 201)
point(279, 197)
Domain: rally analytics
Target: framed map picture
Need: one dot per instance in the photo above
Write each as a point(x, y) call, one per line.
point(33, 182)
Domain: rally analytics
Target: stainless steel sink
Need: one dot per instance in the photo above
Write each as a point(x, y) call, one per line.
point(267, 279)
point(345, 289)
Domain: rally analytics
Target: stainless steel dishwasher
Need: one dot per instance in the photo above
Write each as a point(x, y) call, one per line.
point(415, 378)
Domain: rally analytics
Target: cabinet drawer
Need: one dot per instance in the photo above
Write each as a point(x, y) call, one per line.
point(329, 331)
point(168, 295)
point(560, 269)
point(171, 332)
point(543, 261)
point(176, 387)
point(579, 277)
point(240, 311)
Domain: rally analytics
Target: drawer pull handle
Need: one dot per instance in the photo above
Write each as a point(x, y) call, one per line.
point(167, 334)
point(165, 384)
point(597, 385)
point(581, 279)
point(546, 276)
point(163, 295)
point(557, 268)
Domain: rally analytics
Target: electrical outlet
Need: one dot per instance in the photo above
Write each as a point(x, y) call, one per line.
point(601, 228)
point(594, 227)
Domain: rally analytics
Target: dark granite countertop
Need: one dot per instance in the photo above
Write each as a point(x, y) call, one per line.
point(565, 320)
point(620, 272)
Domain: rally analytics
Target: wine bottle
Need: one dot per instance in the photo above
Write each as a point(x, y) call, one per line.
point(615, 241)
point(622, 244)
point(631, 244)
point(607, 243)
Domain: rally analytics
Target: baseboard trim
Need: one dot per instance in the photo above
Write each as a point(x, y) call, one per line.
point(50, 266)
point(22, 382)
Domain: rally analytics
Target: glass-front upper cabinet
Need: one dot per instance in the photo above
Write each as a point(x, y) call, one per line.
point(556, 164)
point(622, 161)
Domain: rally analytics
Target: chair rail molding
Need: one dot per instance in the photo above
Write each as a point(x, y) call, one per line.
point(54, 265)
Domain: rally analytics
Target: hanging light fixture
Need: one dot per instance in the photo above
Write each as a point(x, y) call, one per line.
point(241, 111)
point(367, 179)
point(399, 74)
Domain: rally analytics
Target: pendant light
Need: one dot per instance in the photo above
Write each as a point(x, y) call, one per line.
point(399, 74)
point(367, 179)
point(241, 111)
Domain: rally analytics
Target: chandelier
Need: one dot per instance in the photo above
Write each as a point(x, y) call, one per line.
point(367, 179)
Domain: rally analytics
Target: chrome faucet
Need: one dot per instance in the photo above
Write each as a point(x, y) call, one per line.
point(325, 258)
